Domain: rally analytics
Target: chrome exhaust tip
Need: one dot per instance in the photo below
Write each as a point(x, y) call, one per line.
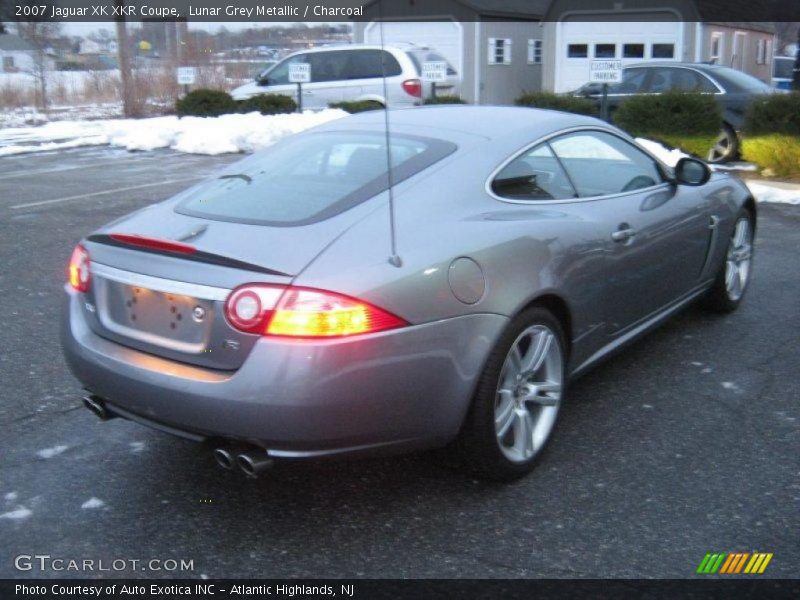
point(98, 406)
point(254, 464)
point(224, 458)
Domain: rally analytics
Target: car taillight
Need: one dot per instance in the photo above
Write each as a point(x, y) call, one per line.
point(304, 313)
point(250, 307)
point(413, 87)
point(78, 273)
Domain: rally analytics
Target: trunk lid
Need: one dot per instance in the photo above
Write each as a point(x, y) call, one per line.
point(171, 304)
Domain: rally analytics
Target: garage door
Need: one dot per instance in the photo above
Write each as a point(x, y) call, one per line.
point(445, 36)
point(581, 42)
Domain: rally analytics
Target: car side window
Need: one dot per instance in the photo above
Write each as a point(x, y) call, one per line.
point(328, 66)
point(681, 80)
point(536, 175)
point(370, 64)
point(600, 164)
point(632, 82)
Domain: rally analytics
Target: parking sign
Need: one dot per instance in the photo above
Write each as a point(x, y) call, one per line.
point(606, 71)
point(299, 73)
point(434, 71)
point(186, 75)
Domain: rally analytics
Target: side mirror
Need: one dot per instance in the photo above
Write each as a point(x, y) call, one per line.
point(691, 171)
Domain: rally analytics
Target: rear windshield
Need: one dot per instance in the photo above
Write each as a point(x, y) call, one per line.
point(307, 178)
point(739, 81)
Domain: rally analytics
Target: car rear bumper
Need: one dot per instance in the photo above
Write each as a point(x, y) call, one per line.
point(408, 387)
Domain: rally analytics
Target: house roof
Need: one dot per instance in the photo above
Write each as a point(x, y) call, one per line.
point(9, 42)
point(517, 8)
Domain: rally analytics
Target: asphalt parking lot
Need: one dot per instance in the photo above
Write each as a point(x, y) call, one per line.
point(687, 443)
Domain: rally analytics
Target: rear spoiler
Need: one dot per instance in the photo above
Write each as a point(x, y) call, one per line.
point(176, 249)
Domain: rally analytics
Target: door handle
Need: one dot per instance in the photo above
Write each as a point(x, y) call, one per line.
point(307, 93)
point(624, 233)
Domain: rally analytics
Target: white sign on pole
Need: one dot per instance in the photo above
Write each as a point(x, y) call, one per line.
point(434, 71)
point(299, 73)
point(606, 71)
point(186, 75)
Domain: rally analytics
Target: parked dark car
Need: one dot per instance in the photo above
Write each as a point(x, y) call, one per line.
point(733, 89)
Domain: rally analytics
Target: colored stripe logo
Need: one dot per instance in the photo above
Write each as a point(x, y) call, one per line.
point(732, 563)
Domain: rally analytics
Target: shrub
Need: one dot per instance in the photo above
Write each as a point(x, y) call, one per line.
point(205, 103)
point(357, 106)
point(445, 99)
point(671, 113)
point(573, 104)
point(774, 113)
point(776, 152)
point(268, 104)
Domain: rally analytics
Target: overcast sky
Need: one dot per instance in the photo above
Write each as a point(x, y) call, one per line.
point(83, 29)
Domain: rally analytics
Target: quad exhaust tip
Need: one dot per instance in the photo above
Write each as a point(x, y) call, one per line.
point(250, 462)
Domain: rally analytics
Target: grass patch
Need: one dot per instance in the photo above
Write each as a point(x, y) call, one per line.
point(780, 153)
point(446, 99)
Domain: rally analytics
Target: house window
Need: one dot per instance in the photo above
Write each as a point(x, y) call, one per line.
point(715, 53)
point(633, 51)
point(605, 50)
point(8, 63)
point(761, 52)
point(534, 52)
point(578, 51)
point(663, 51)
point(499, 51)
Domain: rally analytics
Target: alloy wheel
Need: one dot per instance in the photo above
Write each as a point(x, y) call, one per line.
point(528, 394)
point(737, 264)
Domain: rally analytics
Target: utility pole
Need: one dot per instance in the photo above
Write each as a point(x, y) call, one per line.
point(123, 57)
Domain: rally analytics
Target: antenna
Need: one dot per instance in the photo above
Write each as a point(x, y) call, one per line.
point(394, 258)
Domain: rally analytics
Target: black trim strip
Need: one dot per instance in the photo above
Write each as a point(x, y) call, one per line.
point(199, 256)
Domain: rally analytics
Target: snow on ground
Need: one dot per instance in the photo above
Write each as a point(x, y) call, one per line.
point(775, 191)
point(665, 155)
point(11, 496)
point(16, 515)
point(51, 452)
point(196, 135)
point(93, 503)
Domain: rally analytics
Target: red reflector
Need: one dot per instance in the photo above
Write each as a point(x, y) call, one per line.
point(413, 87)
point(78, 273)
point(152, 243)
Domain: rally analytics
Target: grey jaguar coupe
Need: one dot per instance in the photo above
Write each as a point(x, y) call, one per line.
point(309, 301)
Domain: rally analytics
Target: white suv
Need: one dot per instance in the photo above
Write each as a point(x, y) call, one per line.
point(355, 72)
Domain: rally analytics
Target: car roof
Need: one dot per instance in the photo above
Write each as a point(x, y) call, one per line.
point(672, 63)
point(397, 46)
point(491, 122)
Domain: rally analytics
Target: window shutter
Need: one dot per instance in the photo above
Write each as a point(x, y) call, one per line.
point(490, 52)
point(530, 52)
point(507, 52)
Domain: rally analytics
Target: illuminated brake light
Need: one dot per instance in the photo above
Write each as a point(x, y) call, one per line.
point(78, 273)
point(153, 243)
point(313, 313)
point(303, 313)
point(412, 87)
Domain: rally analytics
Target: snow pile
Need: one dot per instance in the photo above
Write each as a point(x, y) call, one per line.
point(775, 192)
point(51, 452)
point(195, 135)
point(93, 503)
point(668, 157)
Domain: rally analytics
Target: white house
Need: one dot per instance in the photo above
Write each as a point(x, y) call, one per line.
point(16, 55)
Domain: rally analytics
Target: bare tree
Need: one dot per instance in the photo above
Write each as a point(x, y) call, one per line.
point(129, 105)
point(40, 35)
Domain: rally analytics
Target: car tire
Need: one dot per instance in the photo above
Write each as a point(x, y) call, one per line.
point(726, 147)
point(735, 272)
point(516, 393)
